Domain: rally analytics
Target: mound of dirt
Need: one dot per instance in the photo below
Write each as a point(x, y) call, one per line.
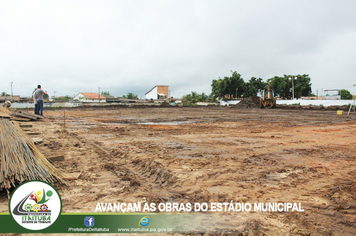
point(164, 104)
point(249, 103)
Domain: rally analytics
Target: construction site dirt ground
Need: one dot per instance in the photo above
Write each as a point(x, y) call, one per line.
point(210, 154)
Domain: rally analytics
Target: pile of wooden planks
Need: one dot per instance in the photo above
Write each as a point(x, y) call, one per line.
point(24, 116)
point(18, 115)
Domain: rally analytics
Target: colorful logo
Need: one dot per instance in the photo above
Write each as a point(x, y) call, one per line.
point(89, 221)
point(144, 221)
point(35, 205)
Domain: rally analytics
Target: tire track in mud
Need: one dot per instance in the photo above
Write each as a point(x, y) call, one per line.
point(141, 179)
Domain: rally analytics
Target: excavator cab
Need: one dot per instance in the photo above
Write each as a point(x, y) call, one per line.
point(268, 100)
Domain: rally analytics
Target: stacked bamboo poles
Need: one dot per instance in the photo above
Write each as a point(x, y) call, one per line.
point(20, 158)
point(4, 111)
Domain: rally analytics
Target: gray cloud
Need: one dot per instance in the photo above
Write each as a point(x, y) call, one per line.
point(130, 46)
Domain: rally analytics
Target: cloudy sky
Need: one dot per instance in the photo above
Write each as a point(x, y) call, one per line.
point(131, 46)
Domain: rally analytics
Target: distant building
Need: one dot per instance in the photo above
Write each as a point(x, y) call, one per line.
point(111, 98)
point(10, 98)
point(158, 92)
point(89, 97)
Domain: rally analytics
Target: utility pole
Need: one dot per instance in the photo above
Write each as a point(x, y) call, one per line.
point(292, 78)
point(99, 96)
point(11, 92)
point(54, 92)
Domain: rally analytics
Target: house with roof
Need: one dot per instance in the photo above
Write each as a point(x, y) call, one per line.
point(89, 97)
point(158, 92)
point(111, 98)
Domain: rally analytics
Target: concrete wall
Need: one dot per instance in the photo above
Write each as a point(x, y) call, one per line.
point(227, 103)
point(301, 102)
point(46, 104)
point(325, 103)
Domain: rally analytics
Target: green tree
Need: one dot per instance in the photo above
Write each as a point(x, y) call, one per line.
point(195, 97)
point(131, 96)
point(283, 86)
point(192, 97)
point(302, 86)
point(217, 88)
point(203, 97)
point(253, 86)
point(345, 94)
point(5, 94)
point(65, 98)
point(105, 93)
point(229, 86)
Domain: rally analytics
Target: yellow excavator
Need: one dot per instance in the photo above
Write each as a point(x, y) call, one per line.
point(268, 100)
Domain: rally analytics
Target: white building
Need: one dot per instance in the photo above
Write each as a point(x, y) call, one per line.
point(89, 97)
point(158, 92)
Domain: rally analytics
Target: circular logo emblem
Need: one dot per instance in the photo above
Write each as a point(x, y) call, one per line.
point(35, 205)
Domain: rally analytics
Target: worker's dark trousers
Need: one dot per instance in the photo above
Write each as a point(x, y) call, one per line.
point(36, 108)
point(40, 107)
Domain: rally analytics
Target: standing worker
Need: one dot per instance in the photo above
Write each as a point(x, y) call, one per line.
point(39, 97)
point(35, 101)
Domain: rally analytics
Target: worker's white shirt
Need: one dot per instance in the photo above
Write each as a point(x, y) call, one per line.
point(34, 98)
